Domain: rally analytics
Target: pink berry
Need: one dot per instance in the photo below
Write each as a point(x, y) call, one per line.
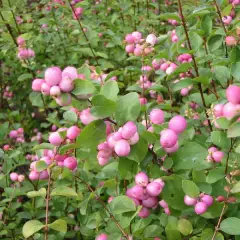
point(163, 204)
point(168, 138)
point(220, 199)
point(110, 199)
point(55, 139)
point(141, 179)
point(128, 130)
point(53, 76)
point(150, 202)
point(66, 85)
point(37, 84)
point(70, 72)
point(178, 124)
point(14, 176)
point(130, 48)
point(184, 92)
point(144, 212)
point(233, 94)
point(21, 178)
point(55, 91)
point(157, 116)
point(136, 192)
point(13, 134)
point(189, 201)
point(218, 156)
point(122, 148)
point(172, 149)
point(218, 110)
point(151, 39)
point(103, 160)
point(70, 163)
point(134, 139)
point(33, 175)
point(200, 208)
point(20, 41)
point(130, 38)
point(45, 89)
point(102, 236)
point(73, 132)
point(207, 199)
point(229, 110)
point(154, 189)
point(167, 211)
point(86, 117)
point(160, 181)
point(6, 147)
point(231, 41)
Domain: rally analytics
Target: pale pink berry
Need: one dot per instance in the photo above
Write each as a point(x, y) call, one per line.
point(73, 132)
point(184, 92)
point(129, 130)
point(212, 149)
point(70, 163)
point(122, 148)
point(103, 161)
point(167, 211)
point(157, 116)
point(134, 139)
point(168, 138)
point(136, 192)
point(138, 51)
point(53, 76)
point(103, 146)
point(130, 48)
point(178, 124)
point(227, 20)
point(117, 136)
point(163, 204)
point(144, 212)
point(20, 41)
point(110, 199)
point(172, 149)
point(141, 179)
point(86, 117)
point(229, 110)
point(102, 236)
point(189, 201)
point(200, 208)
point(21, 178)
point(136, 201)
point(218, 156)
point(233, 94)
point(151, 39)
point(137, 36)
point(43, 175)
point(218, 110)
point(70, 72)
point(130, 38)
point(110, 141)
point(33, 175)
point(55, 139)
point(154, 189)
point(37, 84)
point(160, 181)
point(45, 89)
point(231, 41)
point(13, 134)
point(66, 85)
point(150, 202)
point(104, 153)
point(14, 176)
point(207, 199)
point(55, 91)
point(6, 147)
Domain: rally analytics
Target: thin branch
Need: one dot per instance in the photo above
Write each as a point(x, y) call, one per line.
point(18, 29)
point(47, 206)
point(104, 206)
point(194, 62)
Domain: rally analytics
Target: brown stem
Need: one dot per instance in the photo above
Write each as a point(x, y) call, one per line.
point(105, 207)
point(84, 34)
point(110, 120)
point(47, 206)
point(143, 92)
point(194, 63)
point(147, 6)
point(228, 155)
point(121, 14)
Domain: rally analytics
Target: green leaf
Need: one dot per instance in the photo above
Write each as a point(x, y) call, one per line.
point(206, 24)
point(202, 79)
point(237, 149)
point(128, 108)
point(36, 99)
point(190, 188)
point(92, 134)
point(122, 204)
point(180, 69)
point(235, 70)
point(221, 73)
point(236, 188)
point(234, 130)
point(196, 40)
point(152, 231)
point(41, 165)
point(31, 227)
point(24, 76)
point(191, 156)
point(231, 226)
point(167, 16)
point(220, 139)
point(110, 90)
point(70, 116)
point(222, 122)
point(102, 107)
point(64, 191)
point(183, 84)
point(215, 175)
point(185, 227)
point(43, 146)
point(83, 87)
point(3, 130)
point(215, 42)
point(59, 225)
point(40, 193)
point(139, 150)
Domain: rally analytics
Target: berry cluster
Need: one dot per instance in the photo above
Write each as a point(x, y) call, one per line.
point(214, 155)
point(23, 52)
point(17, 135)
